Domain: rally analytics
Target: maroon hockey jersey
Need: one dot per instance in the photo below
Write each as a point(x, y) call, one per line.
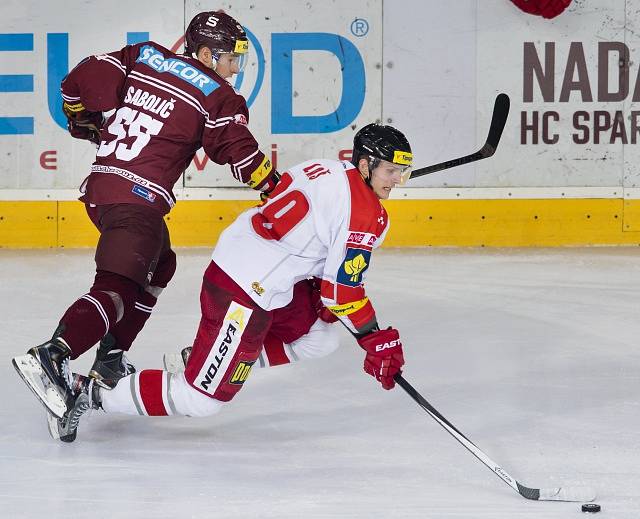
point(166, 108)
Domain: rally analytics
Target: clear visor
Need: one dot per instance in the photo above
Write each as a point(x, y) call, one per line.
point(405, 174)
point(395, 171)
point(240, 60)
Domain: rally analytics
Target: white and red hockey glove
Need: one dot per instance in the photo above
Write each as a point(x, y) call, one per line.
point(545, 8)
point(384, 357)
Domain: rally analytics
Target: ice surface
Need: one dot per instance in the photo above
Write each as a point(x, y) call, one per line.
point(533, 354)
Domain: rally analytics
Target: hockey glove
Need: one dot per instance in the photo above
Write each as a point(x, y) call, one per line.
point(384, 357)
point(81, 123)
point(269, 186)
point(323, 312)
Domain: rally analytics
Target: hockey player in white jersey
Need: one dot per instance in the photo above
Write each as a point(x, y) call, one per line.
point(323, 220)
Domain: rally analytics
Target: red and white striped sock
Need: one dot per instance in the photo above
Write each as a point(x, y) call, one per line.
point(150, 392)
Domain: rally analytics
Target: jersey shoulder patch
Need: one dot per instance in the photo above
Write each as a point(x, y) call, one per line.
point(353, 267)
point(164, 62)
point(367, 213)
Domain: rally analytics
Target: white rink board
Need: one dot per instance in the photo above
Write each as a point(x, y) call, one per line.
point(316, 79)
point(502, 31)
point(432, 68)
point(84, 28)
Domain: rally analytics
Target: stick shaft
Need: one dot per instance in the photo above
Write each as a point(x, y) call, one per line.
point(455, 432)
point(498, 122)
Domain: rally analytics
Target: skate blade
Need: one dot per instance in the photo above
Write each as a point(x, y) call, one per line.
point(52, 423)
point(54, 430)
point(31, 372)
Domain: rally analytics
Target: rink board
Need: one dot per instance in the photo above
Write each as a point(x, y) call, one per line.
point(414, 223)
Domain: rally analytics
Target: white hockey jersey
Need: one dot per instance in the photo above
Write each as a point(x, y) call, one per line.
point(322, 220)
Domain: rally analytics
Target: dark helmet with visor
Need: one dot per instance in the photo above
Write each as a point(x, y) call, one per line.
point(377, 142)
point(219, 32)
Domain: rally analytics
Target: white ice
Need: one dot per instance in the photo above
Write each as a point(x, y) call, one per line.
point(533, 354)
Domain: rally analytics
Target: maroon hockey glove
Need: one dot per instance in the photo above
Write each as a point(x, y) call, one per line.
point(545, 8)
point(83, 124)
point(323, 312)
point(384, 355)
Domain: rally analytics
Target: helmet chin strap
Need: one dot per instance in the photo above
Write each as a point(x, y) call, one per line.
point(372, 163)
point(214, 61)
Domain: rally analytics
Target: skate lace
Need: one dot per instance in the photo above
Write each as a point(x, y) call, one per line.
point(76, 413)
point(73, 419)
point(90, 393)
point(127, 367)
point(66, 372)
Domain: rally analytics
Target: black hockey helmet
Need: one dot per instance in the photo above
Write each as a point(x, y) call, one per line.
point(377, 142)
point(216, 30)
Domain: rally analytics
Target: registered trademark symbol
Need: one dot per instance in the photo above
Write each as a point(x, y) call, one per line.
point(359, 27)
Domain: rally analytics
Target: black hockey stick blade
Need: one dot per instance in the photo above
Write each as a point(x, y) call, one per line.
point(498, 122)
point(577, 494)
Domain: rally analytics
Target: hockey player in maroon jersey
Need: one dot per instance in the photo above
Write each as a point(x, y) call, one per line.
point(165, 107)
point(324, 219)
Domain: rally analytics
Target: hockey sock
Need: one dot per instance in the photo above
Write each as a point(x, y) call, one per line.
point(89, 318)
point(153, 392)
point(126, 330)
point(275, 352)
point(142, 393)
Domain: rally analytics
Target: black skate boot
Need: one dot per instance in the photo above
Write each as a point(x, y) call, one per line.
point(111, 364)
point(87, 396)
point(45, 370)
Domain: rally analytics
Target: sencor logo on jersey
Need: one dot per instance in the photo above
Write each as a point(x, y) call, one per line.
point(224, 347)
point(153, 58)
point(355, 264)
point(241, 373)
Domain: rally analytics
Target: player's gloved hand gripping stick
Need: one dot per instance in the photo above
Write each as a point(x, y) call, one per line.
point(81, 123)
point(384, 358)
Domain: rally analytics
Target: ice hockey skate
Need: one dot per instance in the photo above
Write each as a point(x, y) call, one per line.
point(45, 370)
point(176, 362)
point(111, 364)
point(86, 397)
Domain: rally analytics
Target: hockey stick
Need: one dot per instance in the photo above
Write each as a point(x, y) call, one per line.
point(498, 120)
point(579, 494)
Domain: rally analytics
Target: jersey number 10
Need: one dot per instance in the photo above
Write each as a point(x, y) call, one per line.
point(282, 213)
